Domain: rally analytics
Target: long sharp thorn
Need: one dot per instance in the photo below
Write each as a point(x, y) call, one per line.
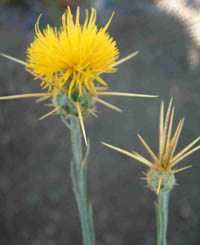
point(108, 105)
point(50, 113)
point(147, 148)
point(161, 129)
point(159, 184)
point(178, 155)
point(81, 121)
point(128, 57)
point(42, 99)
point(181, 169)
point(93, 113)
point(13, 59)
point(184, 156)
point(137, 157)
point(21, 96)
point(126, 94)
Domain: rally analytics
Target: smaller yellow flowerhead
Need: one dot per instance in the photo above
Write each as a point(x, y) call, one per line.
point(73, 56)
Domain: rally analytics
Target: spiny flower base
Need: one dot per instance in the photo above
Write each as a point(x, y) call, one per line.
point(160, 181)
point(68, 106)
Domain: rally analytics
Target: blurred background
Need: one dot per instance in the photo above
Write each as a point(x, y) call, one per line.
point(37, 206)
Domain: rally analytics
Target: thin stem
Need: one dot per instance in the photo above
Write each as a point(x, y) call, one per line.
point(78, 173)
point(162, 217)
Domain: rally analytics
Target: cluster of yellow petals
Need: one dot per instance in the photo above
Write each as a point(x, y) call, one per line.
point(73, 56)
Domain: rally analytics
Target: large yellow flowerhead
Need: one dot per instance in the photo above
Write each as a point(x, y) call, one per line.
point(73, 56)
point(69, 61)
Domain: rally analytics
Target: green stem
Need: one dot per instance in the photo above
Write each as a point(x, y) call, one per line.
point(78, 173)
point(162, 217)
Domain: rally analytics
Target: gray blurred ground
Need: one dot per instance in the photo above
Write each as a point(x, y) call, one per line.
point(37, 206)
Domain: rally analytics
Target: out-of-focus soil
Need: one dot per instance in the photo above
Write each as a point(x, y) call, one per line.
point(37, 206)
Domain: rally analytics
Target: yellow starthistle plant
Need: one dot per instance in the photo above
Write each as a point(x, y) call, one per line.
point(68, 61)
point(160, 177)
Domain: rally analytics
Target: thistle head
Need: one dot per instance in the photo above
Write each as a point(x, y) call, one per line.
point(72, 57)
point(69, 61)
point(160, 181)
point(162, 167)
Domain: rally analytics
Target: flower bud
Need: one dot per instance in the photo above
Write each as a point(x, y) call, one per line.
point(68, 106)
point(160, 180)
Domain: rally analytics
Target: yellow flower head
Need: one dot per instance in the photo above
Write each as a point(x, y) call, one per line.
point(67, 61)
point(161, 174)
point(73, 56)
